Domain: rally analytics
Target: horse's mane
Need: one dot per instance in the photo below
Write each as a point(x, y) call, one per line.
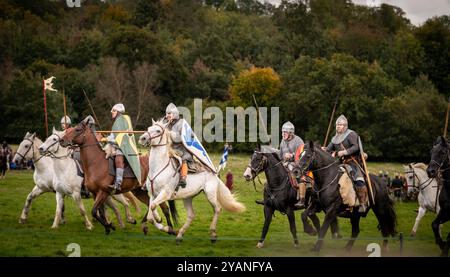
point(420, 166)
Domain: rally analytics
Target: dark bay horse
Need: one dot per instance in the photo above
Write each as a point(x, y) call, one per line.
point(326, 176)
point(99, 182)
point(278, 193)
point(440, 165)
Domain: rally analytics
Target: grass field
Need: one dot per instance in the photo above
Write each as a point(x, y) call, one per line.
point(238, 233)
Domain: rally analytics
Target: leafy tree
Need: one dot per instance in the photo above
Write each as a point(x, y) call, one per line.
point(263, 83)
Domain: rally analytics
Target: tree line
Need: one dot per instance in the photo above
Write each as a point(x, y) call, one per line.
point(391, 78)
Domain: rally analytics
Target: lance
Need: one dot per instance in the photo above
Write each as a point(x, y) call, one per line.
point(65, 109)
point(92, 109)
point(45, 108)
point(331, 120)
point(259, 117)
point(446, 118)
point(120, 131)
point(366, 171)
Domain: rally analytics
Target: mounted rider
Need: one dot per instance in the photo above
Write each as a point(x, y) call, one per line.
point(288, 146)
point(175, 126)
point(124, 145)
point(345, 145)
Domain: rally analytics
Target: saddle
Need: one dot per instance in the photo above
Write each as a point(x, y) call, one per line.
point(194, 166)
point(127, 173)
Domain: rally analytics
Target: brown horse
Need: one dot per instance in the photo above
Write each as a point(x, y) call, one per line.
point(99, 182)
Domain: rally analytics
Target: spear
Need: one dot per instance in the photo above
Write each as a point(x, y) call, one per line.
point(331, 120)
point(446, 118)
point(120, 131)
point(92, 109)
point(259, 116)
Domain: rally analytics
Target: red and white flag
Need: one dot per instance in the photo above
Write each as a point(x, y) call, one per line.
point(48, 84)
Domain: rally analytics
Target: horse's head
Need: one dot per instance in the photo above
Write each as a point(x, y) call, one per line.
point(26, 148)
point(74, 135)
point(51, 144)
point(411, 179)
point(256, 165)
point(306, 160)
point(439, 156)
point(155, 135)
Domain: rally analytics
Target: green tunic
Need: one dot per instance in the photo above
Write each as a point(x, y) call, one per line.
point(127, 143)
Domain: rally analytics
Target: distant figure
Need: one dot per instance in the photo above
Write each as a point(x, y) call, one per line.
point(5, 152)
point(388, 179)
point(397, 186)
point(229, 182)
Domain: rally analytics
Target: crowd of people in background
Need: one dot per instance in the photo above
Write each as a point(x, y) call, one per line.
point(6, 156)
point(397, 186)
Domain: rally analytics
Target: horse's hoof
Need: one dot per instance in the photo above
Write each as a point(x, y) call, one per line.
point(112, 227)
point(107, 231)
point(171, 231)
point(336, 236)
point(54, 227)
point(90, 227)
point(22, 220)
point(134, 222)
point(145, 230)
point(296, 245)
point(260, 245)
point(178, 240)
point(413, 234)
point(213, 240)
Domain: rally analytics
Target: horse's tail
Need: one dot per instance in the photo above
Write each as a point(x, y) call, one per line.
point(134, 201)
point(173, 212)
point(384, 211)
point(228, 199)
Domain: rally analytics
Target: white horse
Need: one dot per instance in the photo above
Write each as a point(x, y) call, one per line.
point(44, 176)
point(417, 179)
point(163, 178)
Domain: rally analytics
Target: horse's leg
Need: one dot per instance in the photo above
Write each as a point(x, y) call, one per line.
point(435, 226)
point(77, 198)
point(190, 216)
point(355, 231)
point(144, 198)
point(126, 205)
point(307, 227)
point(63, 218)
point(329, 217)
point(59, 204)
point(26, 208)
point(133, 200)
point(116, 211)
point(162, 197)
point(268, 213)
point(211, 195)
point(291, 217)
point(99, 200)
point(334, 226)
point(166, 212)
point(446, 247)
point(420, 214)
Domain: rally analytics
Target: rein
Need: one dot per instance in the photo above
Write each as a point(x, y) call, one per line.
point(31, 147)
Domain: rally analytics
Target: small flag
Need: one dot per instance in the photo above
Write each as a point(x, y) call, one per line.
point(48, 84)
point(223, 160)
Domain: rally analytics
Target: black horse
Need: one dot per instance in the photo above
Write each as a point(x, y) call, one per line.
point(279, 194)
point(440, 163)
point(326, 176)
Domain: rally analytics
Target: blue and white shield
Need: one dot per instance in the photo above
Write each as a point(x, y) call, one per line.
point(193, 145)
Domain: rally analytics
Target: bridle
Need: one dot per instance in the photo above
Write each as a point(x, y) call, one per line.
point(31, 147)
point(160, 135)
point(304, 170)
point(52, 155)
point(420, 186)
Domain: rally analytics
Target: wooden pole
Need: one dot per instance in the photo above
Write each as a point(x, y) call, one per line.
point(369, 183)
point(92, 109)
point(65, 109)
point(45, 108)
point(121, 131)
point(331, 121)
point(446, 118)
point(259, 117)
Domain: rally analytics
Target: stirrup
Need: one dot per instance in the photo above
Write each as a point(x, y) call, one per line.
point(182, 182)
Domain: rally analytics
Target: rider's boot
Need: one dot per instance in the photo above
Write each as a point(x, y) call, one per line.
point(184, 171)
point(361, 192)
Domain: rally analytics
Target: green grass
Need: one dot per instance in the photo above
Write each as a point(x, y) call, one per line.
point(238, 233)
